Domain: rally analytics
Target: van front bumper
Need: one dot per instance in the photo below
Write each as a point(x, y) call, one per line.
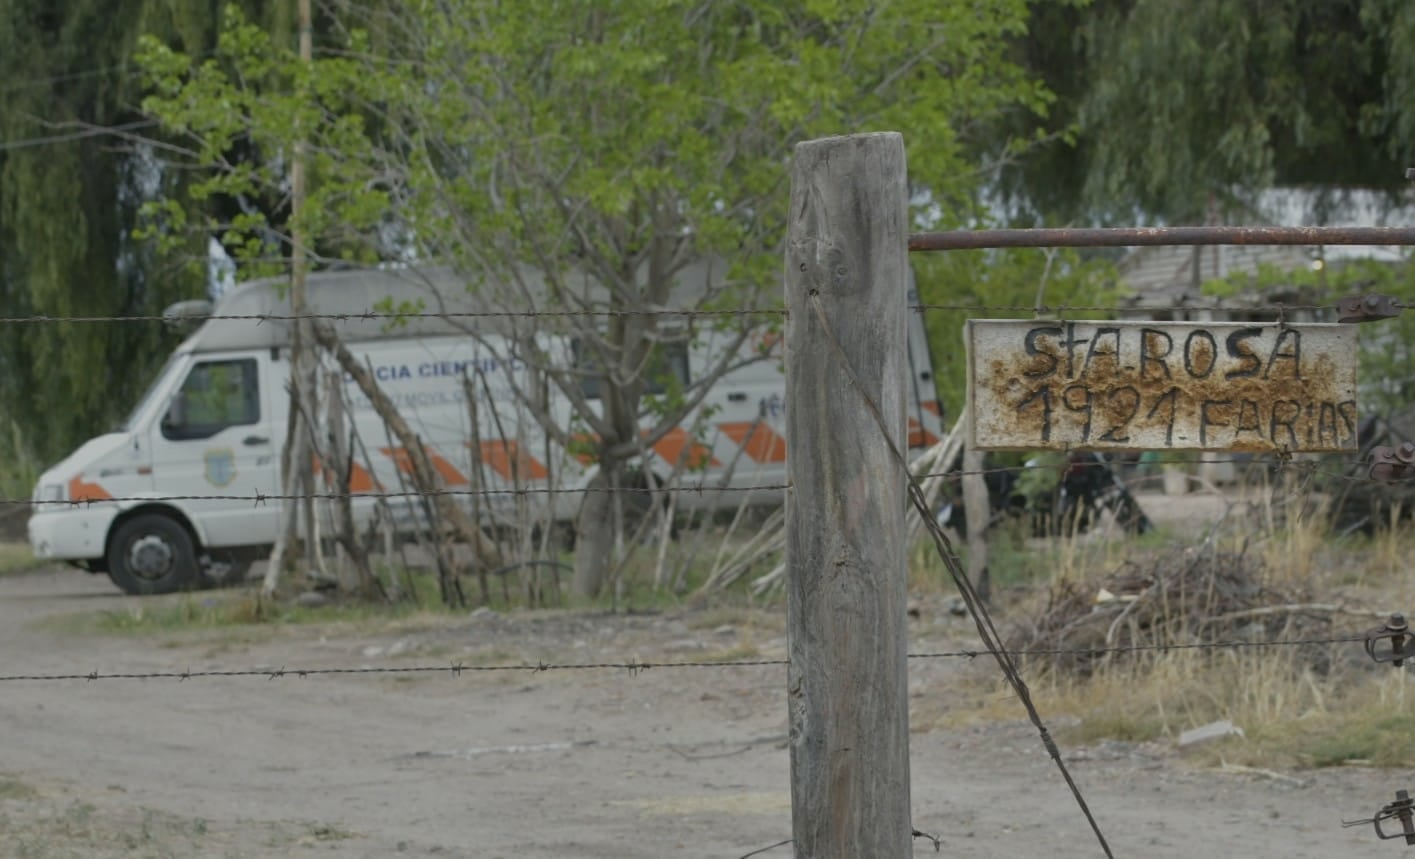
point(70, 534)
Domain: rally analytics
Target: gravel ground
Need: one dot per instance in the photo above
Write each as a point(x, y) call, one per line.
point(593, 763)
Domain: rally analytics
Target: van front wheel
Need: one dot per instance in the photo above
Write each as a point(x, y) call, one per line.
point(152, 554)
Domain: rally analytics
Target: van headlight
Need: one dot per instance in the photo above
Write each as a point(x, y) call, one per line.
point(50, 493)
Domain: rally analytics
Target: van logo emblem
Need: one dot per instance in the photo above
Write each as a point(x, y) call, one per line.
point(220, 466)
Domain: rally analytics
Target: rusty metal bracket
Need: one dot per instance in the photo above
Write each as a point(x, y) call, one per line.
point(1367, 308)
point(1391, 463)
point(1397, 632)
point(1403, 809)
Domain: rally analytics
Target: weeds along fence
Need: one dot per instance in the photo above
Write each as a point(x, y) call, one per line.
point(863, 483)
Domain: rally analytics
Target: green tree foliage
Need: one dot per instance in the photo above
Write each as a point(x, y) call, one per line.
point(1167, 109)
point(1007, 284)
point(65, 215)
point(624, 140)
point(73, 177)
point(1387, 347)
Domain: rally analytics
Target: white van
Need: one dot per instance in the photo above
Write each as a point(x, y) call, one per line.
point(176, 496)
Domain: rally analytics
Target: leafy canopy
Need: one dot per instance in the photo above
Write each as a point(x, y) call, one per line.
point(1173, 109)
point(554, 132)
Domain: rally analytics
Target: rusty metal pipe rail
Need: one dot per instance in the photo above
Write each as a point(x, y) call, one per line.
point(1088, 237)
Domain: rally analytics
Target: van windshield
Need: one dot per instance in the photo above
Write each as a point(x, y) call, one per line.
point(147, 396)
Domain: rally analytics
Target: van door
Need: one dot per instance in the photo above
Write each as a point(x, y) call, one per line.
point(751, 414)
point(216, 440)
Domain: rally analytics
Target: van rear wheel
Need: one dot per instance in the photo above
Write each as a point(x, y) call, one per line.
point(152, 554)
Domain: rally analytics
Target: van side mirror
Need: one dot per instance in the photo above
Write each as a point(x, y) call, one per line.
point(176, 412)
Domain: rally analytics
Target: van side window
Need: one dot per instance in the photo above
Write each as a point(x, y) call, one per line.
point(666, 361)
point(216, 395)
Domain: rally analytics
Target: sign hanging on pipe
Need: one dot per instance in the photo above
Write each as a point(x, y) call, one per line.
point(1211, 386)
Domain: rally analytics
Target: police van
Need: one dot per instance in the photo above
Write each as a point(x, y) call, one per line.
point(180, 494)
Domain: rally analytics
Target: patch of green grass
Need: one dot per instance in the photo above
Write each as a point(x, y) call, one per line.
point(1362, 735)
point(735, 613)
point(735, 654)
point(493, 656)
point(419, 602)
point(1381, 740)
point(1125, 727)
point(189, 612)
point(13, 788)
point(197, 612)
point(17, 558)
point(1291, 716)
point(326, 832)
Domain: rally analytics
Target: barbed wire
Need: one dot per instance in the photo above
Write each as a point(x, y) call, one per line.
point(632, 666)
point(1111, 650)
point(1275, 462)
point(1276, 465)
point(258, 498)
point(1138, 310)
point(371, 315)
point(1129, 308)
point(636, 666)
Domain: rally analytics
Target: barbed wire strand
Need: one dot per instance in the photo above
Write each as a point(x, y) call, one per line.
point(1278, 466)
point(987, 631)
point(372, 315)
point(42, 318)
point(1126, 308)
point(767, 849)
point(635, 667)
point(1146, 648)
point(260, 498)
point(1302, 469)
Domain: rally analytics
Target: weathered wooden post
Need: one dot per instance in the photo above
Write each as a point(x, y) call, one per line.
point(977, 513)
point(846, 280)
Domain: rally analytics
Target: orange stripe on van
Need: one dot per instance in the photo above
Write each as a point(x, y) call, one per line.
point(450, 475)
point(360, 480)
point(677, 446)
point(920, 437)
point(757, 440)
point(581, 445)
point(507, 459)
point(931, 406)
point(81, 491)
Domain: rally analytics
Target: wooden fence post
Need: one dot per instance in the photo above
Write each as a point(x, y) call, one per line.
point(977, 513)
point(846, 282)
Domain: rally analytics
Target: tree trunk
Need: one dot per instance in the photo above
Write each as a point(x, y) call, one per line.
point(298, 470)
point(341, 458)
point(296, 449)
point(595, 537)
point(424, 476)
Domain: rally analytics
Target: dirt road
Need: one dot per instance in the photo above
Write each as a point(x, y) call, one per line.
point(599, 763)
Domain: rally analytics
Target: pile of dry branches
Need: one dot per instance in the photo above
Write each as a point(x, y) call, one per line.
point(1194, 596)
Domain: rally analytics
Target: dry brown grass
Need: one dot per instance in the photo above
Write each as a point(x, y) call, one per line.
point(1298, 706)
